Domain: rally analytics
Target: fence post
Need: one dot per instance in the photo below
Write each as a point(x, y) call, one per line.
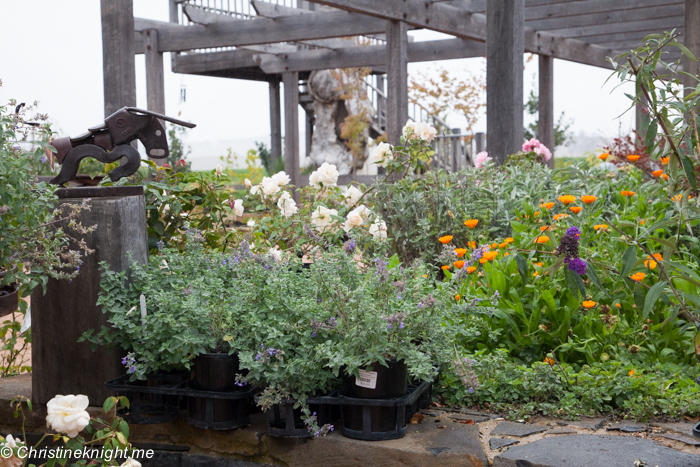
point(480, 139)
point(456, 149)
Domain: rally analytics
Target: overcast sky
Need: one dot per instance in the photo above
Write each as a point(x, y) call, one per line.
point(52, 52)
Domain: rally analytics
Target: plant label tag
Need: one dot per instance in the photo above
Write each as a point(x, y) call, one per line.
point(367, 379)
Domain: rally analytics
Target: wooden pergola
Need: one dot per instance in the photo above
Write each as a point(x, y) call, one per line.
point(278, 43)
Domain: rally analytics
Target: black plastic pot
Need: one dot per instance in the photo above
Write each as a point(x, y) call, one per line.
point(285, 421)
point(217, 373)
point(391, 382)
point(9, 299)
point(150, 400)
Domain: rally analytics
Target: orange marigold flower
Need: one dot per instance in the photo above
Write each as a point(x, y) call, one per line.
point(618, 305)
point(460, 252)
point(550, 361)
point(588, 304)
point(601, 227)
point(457, 297)
point(506, 254)
point(588, 199)
point(560, 216)
point(473, 244)
point(537, 213)
point(545, 227)
point(603, 156)
point(633, 158)
point(508, 240)
point(549, 205)
point(490, 255)
point(541, 239)
point(471, 223)
point(536, 274)
point(651, 261)
point(575, 209)
point(502, 245)
point(631, 372)
point(459, 264)
point(471, 269)
point(445, 267)
point(664, 176)
point(425, 275)
point(638, 276)
point(567, 199)
point(657, 173)
point(540, 264)
point(494, 245)
point(665, 160)
point(628, 193)
point(446, 239)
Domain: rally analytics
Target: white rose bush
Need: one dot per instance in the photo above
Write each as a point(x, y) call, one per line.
point(94, 440)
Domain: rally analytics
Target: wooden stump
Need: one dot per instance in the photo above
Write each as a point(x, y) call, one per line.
point(60, 364)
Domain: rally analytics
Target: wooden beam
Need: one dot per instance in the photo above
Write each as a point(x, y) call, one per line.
point(369, 56)
point(504, 77)
point(629, 17)
point(118, 64)
point(291, 128)
point(653, 24)
point(210, 61)
point(545, 112)
point(323, 25)
point(275, 123)
point(397, 79)
point(691, 39)
point(464, 24)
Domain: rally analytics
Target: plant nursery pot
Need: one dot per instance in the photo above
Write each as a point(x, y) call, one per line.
point(216, 373)
point(284, 420)
point(388, 382)
point(9, 299)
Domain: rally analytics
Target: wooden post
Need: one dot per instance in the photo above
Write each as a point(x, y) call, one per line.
point(381, 102)
point(275, 123)
point(691, 39)
point(118, 54)
point(504, 76)
point(480, 142)
point(61, 364)
point(456, 150)
point(397, 77)
point(155, 83)
point(309, 128)
point(546, 104)
point(291, 128)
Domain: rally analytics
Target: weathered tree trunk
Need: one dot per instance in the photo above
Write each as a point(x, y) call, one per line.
point(60, 364)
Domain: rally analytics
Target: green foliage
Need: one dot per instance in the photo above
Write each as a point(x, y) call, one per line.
point(177, 158)
point(637, 390)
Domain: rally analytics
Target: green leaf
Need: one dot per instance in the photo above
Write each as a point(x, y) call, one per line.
point(689, 170)
point(522, 266)
point(628, 260)
point(108, 404)
point(571, 282)
point(651, 135)
point(652, 296)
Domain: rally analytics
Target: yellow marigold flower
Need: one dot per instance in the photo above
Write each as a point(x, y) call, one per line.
point(471, 269)
point(651, 261)
point(657, 173)
point(446, 239)
point(603, 156)
point(457, 297)
point(567, 199)
point(638, 276)
point(560, 216)
point(541, 239)
point(502, 245)
point(550, 361)
point(471, 223)
point(459, 264)
point(508, 240)
point(588, 199)
point(628, 193)
point(665, 160)
point(545, 228)
point(575, 209)
point(445, 267)
point(460, 252)
point(633, 158)
point(588, 304)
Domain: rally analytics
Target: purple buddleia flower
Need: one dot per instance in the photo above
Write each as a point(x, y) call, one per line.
point(578, 266)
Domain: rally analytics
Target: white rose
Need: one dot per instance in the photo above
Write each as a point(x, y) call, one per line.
point(11, 460)
point(67, 414)
point(219, 170)
point(425, 132)
point(238, 207)
point(287, 205)
point(382, 154)
point(322, 217)
point(131, 463)
point(254, 190)
point(352, 196)
point(10, 441)
point(269, 186)
point(248, 183)
point(378, 230)
point(356, 218)
point(326, 175)
point(281, 178)
point(409, 130)
point(275, 253)
point(251, 223)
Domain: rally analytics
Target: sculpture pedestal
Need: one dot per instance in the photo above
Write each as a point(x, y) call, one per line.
point(60, 364)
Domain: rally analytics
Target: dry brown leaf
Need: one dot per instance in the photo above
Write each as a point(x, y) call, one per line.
point(466, 422)
point(417, 418)
point(692, 419)
point(441, 426)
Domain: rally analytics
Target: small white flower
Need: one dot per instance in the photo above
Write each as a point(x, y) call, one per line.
point(409, 130)
point(275, 253)
point(254, 190)
point(425, 132)
point(356, 218)
point(281, 178)
point(326, 175)
point(131, 463)
point(352, 196)
point(10, 441)
point(219, 170)
point(378, 230)
point(238, 207)
point(322, 218)
point(269, 186)
point(67, 414)
point(248, 183)
point(251, 223)
point(287, 205)
point(382, 154)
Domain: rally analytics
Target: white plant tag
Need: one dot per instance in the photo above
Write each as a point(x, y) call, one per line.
point(27, 323)
point(367, 379)
point(143, 310)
